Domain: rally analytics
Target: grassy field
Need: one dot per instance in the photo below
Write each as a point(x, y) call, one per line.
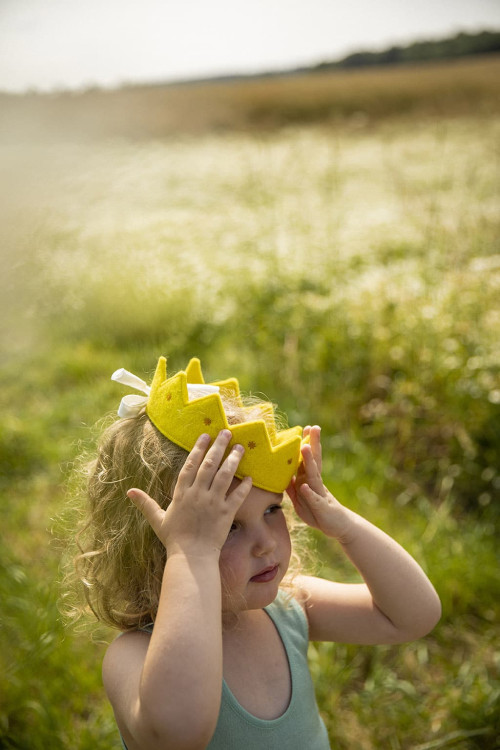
point(349, 270)
point(366, 95)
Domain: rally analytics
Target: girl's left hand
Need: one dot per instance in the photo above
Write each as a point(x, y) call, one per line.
point(313, 502)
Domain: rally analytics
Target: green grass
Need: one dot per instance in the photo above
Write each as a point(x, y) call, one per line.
point(350, 274)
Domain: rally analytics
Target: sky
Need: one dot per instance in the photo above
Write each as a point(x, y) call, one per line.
point(50, 45)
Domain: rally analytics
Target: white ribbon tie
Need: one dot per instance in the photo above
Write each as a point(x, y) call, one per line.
point(132, 405)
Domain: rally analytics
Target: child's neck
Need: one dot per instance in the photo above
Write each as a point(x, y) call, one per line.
point(233, 621)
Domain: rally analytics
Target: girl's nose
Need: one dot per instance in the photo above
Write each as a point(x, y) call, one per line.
point(264, 541)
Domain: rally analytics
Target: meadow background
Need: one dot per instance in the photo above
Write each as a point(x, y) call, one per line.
point(332, 240)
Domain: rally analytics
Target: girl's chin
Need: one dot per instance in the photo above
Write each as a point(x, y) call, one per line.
point(263, 596)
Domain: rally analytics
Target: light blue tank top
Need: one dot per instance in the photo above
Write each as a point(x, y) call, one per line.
point(300, 727)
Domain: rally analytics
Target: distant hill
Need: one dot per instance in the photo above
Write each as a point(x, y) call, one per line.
point(448, 48)
point(461, 45)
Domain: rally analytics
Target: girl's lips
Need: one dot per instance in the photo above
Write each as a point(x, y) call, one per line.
point(266, 575)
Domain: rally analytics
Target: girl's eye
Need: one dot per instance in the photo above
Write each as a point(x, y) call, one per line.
point(273, 509)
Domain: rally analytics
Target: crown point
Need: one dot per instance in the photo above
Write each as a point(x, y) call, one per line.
point(193, 371)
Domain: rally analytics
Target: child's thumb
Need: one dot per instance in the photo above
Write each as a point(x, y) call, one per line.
point(148, 507)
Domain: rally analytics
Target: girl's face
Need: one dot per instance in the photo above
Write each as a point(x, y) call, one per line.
point(256, 554)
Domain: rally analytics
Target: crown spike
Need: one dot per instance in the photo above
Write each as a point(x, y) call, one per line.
point(193, 371)
point(160, 375)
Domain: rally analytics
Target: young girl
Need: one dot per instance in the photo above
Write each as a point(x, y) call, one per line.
point(214, 653)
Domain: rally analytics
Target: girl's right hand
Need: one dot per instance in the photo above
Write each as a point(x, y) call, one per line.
point(199, 518)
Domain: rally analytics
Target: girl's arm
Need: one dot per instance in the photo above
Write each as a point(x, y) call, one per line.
point(166, 689)
point(396, 602)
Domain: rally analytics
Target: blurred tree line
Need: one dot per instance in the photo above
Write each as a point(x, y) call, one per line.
point(461, 45)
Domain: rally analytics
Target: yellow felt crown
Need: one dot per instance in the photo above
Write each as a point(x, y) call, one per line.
point(271, 457)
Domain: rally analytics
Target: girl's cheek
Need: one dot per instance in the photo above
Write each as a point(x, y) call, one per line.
point(286, 543)
point(228, 562)
point(285, 533)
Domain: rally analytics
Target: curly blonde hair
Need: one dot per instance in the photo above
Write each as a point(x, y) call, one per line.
point(121, 560)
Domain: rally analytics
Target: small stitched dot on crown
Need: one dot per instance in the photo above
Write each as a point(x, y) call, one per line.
point(252, 445)
point(207, 421)
point(289, 461)
point(169, 396)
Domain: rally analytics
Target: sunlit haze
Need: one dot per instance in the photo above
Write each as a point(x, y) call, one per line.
point(72, 44)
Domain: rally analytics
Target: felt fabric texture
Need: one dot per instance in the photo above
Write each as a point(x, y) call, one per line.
point(271, 456)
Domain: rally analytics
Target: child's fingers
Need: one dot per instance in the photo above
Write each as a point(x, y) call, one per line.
point(237, 496)
point(189, 471)
point(212, 461)
point(312, 470)
point(315, 443)
point(291, 490)
point(310, 499)
point(226, 472)
point(296, 500)
point(148, 507)
point(301, 507)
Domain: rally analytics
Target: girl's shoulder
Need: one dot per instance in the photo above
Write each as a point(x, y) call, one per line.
point(122, 669)
point(129, 639)
point(124, 656)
